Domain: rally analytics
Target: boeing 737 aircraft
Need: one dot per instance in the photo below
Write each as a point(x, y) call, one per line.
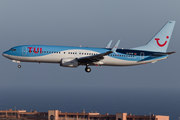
point(67, 56)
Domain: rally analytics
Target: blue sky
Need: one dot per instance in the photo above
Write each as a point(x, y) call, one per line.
point(88, 23)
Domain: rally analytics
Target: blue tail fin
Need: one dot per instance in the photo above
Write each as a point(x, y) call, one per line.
point(160, 42)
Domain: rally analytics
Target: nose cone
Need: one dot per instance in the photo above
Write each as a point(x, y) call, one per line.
point(5, 54)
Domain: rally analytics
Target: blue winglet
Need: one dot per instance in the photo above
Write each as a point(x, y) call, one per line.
point(109, 44)
point(116, 46)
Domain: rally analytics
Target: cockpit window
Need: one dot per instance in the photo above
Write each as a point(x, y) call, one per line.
point(12, 49)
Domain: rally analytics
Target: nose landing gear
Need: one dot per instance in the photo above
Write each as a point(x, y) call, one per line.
point(19, 62)
point(88, 69)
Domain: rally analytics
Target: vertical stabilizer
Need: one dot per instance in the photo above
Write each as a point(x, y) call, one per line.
point(160, 41)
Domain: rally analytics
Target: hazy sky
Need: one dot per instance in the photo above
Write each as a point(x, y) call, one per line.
point(91, 23)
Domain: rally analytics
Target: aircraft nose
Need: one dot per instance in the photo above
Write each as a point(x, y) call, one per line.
point(4, 54)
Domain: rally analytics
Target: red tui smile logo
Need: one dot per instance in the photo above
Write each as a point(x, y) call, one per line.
point(161, 45)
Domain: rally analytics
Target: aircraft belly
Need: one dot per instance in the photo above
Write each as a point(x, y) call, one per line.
point(109, 61)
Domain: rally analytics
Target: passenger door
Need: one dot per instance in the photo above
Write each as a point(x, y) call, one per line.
point(141, 55)
point(24, 51)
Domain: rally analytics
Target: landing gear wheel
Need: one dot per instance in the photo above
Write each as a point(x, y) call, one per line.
point(88, 69)
point(19, 66)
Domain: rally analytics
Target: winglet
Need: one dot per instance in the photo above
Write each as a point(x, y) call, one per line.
point(109, 44)
point(116, 46)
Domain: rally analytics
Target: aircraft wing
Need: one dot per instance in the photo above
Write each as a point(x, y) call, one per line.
point(94, 58)
point(98, 57)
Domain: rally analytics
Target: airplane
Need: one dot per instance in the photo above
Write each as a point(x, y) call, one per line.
point(68, 56)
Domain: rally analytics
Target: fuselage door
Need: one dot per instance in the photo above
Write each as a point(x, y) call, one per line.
point(24, 50)
point(141, 55)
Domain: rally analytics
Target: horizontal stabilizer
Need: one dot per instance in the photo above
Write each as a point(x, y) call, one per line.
point(161, 54)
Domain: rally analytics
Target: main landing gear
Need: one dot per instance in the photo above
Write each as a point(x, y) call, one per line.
point(88, 69)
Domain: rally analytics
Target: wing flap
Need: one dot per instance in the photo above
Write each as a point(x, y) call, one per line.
point(94, 58)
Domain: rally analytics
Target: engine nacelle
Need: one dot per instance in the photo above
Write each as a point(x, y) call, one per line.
point(69, 62)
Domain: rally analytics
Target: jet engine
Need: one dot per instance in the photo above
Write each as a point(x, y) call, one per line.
point(69, 62)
